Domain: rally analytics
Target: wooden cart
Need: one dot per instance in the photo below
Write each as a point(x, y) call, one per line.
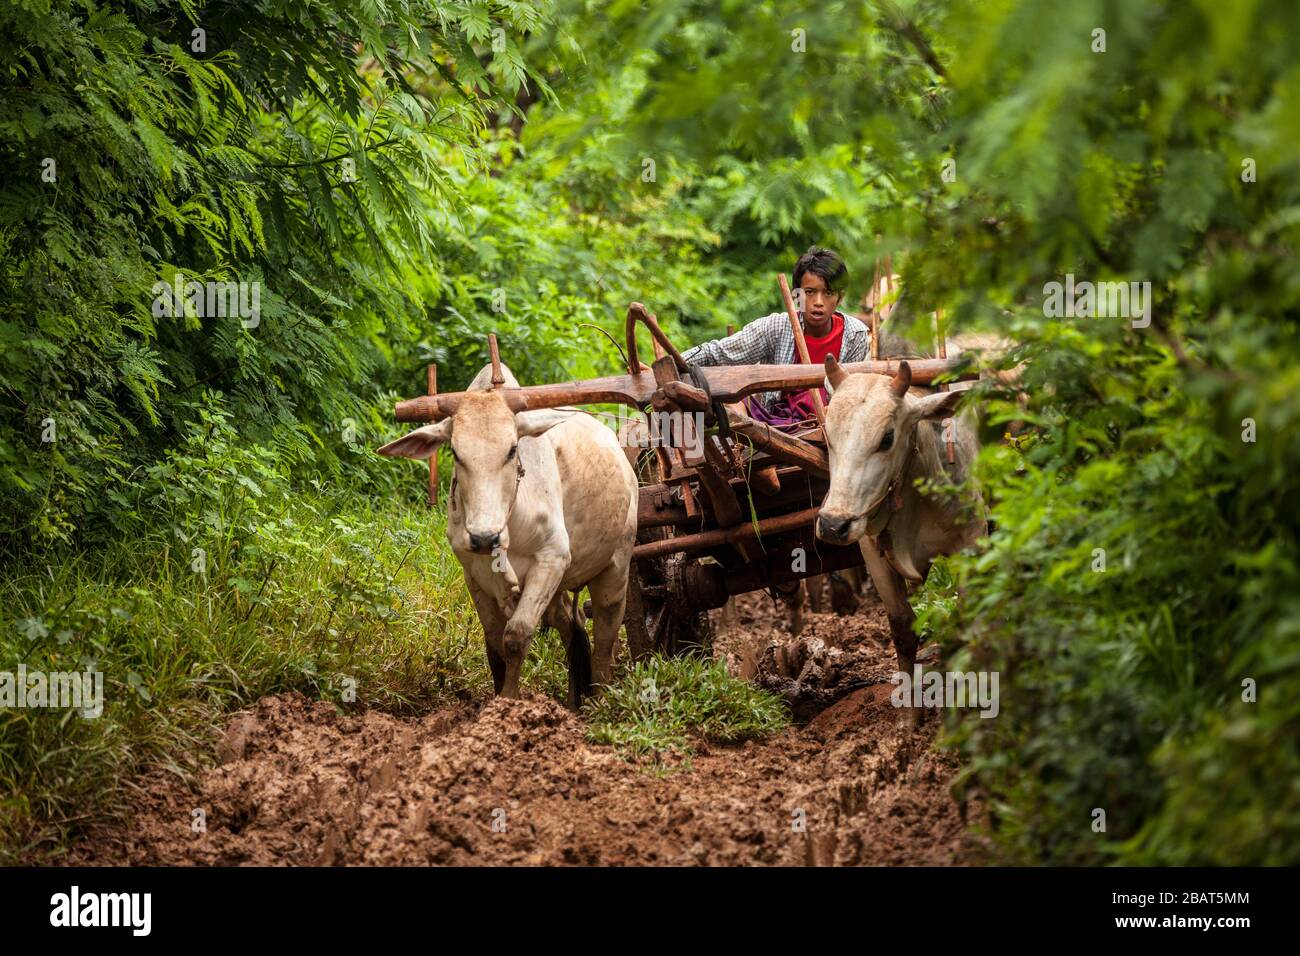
point(722, 512)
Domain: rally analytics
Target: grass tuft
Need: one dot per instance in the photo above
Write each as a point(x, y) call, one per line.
point(656, 708)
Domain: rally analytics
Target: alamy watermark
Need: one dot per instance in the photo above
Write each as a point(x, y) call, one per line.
point(664, 429)
point(208, 300)
point(75, 908)
point(1125, 300)
point(947, 689)
point(78, 690)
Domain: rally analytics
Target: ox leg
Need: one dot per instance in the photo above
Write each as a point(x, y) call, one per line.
point(493, 620)
point(814, 585)
point(539, 589)
point(892, 589)
point(608, 601)
point(573, 631)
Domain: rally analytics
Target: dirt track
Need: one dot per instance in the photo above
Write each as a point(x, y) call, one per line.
point(302, 784)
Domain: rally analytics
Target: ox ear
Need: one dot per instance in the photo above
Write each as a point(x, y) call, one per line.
point(834, 373)
point(419, 444)
point(532, 424)
point(938, 406)
point(902, 379)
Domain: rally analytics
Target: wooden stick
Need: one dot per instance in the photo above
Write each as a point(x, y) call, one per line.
point(721, 536)
point(889, 282)
point(819, 409)
point(636, 312)
point(781, 446)
point(433, 459)
point(943, 354)
point(497, 378)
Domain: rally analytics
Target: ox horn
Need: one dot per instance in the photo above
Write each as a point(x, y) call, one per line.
point(426, 408)
point(835, 374)
point(902, 379)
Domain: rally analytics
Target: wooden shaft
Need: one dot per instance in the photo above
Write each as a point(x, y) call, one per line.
point(433, 459)
point(821, 559)
point(781, 446)
point(819, 409)
point(943, 354)
point(721, 536)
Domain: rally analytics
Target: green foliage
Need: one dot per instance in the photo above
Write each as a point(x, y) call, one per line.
point(1122, 689)
point(304, 149)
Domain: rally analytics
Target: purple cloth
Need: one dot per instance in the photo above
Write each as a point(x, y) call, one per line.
point(780, 415)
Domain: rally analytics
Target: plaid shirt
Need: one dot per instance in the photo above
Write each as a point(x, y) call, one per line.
point(769, 341)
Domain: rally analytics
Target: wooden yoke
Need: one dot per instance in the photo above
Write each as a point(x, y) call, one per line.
point(727, 383)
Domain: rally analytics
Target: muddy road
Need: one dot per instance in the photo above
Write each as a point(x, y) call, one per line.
point(514, 782)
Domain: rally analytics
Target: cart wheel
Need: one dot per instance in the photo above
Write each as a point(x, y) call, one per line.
point(657, 619)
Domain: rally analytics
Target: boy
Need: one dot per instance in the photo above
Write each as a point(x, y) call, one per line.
point(819, 278)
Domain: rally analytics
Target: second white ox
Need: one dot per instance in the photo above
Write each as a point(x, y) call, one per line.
point(542, 502)
point(881, 439)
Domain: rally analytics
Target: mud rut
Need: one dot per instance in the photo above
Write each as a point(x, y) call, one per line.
point(298, 783)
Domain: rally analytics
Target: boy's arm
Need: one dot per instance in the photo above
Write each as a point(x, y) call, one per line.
point(752, 345)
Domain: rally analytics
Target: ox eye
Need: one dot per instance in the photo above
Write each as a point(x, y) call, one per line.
point(887, 441)
point(511, 453)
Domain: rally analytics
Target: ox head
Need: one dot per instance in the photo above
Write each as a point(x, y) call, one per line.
point(483, 434)
point(871, 425)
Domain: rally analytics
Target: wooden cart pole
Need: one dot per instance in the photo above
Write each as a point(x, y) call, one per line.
point(889, 282)
point(819, 409)
point(433, 459)
point(942, 341)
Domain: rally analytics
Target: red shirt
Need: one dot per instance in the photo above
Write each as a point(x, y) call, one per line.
point(801, 402)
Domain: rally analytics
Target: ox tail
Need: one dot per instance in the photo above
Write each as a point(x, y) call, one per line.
point(579, 656)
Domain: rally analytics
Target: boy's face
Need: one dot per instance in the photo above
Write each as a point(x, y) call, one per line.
point(819, 302)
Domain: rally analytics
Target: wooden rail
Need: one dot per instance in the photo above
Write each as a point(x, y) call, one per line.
point(721, 536)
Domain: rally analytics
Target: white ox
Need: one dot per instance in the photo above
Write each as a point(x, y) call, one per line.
point(881, 439)
point(542, 502)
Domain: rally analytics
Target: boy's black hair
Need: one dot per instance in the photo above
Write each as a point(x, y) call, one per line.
point(824, 263)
